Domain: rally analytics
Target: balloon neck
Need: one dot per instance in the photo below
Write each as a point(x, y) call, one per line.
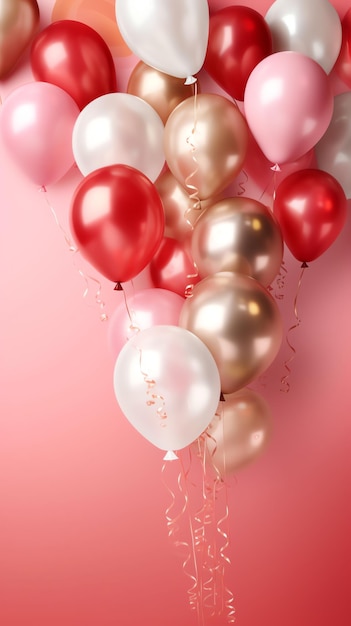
point(190, 80)
point(276, 168)
point(304, 264)
point(43, 189)
point(118, 287)
point(170, 456)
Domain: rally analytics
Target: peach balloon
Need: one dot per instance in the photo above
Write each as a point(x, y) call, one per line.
point(205, 141)
point(99, 14)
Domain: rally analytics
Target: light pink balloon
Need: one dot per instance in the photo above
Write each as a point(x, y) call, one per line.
point(288, 105)
point(147, 307)
point(36, 124)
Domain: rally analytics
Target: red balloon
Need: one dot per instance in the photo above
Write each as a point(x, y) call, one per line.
point(343, 62)
point(311, 208)
point(172, 267)
point(117, 218)
point(239, 38)
point(75, 57)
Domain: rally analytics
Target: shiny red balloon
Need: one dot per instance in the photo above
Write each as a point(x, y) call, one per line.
point(311, 208)
point(75, 57)
point(117, 219)
point(239, 38)
point(172, 267)
point(343, 62)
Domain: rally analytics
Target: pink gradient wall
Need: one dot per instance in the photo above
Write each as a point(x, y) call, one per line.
point(83, 537)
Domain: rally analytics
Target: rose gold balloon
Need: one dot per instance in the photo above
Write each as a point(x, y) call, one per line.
point(19, 20)
point(181, 210)
point(240, 323)
point(239, 432)
point(238, 235)
point(205, 141)
point(161, 91)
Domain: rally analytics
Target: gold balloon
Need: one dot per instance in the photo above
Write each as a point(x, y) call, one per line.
point(205, 143)
point(181, 211)
point(238, 235)
point(239, 432)
point(240, 323)
point(19, 20)
point(161, 91)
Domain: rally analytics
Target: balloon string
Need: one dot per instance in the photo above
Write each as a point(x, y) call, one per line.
point(285, 385)
point(133, 328)
point(277, 289)
point(74, 250)
point(153, 398)
point(241, 184)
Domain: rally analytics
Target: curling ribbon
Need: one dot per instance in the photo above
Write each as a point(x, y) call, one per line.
point(285, 385)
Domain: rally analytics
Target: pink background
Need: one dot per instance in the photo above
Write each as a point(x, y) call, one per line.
point(83, 538)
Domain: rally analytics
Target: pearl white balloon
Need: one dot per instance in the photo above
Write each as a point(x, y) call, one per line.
point(169, 35)
point(312, 27)
point(167, 385)
point(119, 128)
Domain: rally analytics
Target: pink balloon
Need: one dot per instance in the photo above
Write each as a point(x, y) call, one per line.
point(147, 307)
point(36, 124)
point(288, 105)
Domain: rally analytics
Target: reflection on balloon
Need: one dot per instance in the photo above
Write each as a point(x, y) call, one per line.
point(19, 20)
point(312, 28)
point(207, 155)
point(238, 235)
point(333, 151)
point(74, 56)
point(161, 91)
point(239, 431)
point(311, 209)
point(119, 128)
point(239, 322)
point(166, 383)
point(118, 221)
point(145, 308)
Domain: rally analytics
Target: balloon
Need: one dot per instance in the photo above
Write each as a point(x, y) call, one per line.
point(74, 56)
point(240, 323)
point(118, 221)
point(343, 62)
point(172, 267)
point(288, 105)
point(145, 308)
point(311, 209)
point(36, 124)
point(333, 151)
point(119, 128)
point(170, 36)
point(238, 235)
point(161, 91)
point(239, 432)
point(312, 28)
point(100, 15)
point(19, 20)
point(205, 143)
point(239, 38)
point(167, 385)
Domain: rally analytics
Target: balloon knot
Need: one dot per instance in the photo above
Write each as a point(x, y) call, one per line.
point(221, 397)
point(170, 456)
point(118, 287)
point(190, 80)
point(304, 264)
point(276, 168)
point(43, 189)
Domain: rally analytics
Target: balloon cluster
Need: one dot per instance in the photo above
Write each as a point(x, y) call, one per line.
point(157, 165)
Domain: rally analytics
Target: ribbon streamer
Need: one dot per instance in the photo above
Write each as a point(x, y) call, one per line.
point(285, 385)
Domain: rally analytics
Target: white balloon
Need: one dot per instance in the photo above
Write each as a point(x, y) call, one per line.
point(167, 385)
point(333, 151)
point(119, 128)
point(169, 35)
point(312, 27)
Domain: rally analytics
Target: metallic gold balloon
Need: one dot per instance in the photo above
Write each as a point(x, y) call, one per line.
point(205, 143)
point(238, 235)
point(239, 432)
point(181, 211)
point(19, 20)
point(161, 91)
point(240, 323)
